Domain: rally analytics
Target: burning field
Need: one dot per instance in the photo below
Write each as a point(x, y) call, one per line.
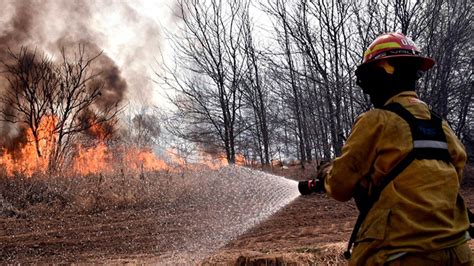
point(34, 155)
point(78, 157)
point(67, 103)
point(100, 172)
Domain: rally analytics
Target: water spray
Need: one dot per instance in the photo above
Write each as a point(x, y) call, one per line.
point(218, 206)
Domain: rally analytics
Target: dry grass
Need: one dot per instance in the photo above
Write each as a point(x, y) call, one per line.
point(43, 195)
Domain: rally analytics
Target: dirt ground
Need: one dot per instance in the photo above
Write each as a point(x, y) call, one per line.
point(310, 230)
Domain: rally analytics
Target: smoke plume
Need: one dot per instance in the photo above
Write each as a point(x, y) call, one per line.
point(102, 26)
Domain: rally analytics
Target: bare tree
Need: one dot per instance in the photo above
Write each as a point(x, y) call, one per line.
point(32, 82)
point(65, 92)
point(212, 67)
point(142, 126)
point(256, 93)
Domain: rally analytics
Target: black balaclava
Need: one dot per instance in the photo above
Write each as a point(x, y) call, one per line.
point(381, 86)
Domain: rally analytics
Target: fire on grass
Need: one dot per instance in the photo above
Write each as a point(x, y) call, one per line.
point(33, 156)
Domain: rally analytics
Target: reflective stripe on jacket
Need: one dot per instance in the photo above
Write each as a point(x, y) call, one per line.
point(419, 211)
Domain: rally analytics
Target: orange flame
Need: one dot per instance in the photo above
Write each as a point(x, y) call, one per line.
point(93, 160)
point(218, 161)
point(98, 131)
point(240, 159)
point(140, 160)
point(35, 154)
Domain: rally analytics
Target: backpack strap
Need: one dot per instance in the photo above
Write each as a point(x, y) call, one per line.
point(470, 215)
point(374, 197)
point(429, 140)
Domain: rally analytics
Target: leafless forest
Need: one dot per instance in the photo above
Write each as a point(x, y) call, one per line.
point(273, 80)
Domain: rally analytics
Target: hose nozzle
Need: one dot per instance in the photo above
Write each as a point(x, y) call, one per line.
point(310, 186)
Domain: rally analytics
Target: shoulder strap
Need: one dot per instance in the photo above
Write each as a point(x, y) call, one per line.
point(374, 197)
point(429, 140)
point(400, 111)
point(471, 216)
point(471, 220)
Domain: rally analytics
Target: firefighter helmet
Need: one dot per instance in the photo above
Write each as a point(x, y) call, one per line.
point(394, 45)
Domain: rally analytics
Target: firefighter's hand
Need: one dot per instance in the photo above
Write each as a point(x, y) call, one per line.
point(323, 170)
point(316, 184)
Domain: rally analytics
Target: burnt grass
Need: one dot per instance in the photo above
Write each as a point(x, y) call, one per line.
point(98, 218)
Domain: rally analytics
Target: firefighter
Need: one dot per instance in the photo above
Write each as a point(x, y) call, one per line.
point(403, 165)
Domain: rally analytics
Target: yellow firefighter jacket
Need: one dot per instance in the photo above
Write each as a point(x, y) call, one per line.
point(419, 210)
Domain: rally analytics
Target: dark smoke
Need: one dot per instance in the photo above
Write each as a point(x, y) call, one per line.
point(115, 85)
point(16, 34)
point(25, 23)
point(110, 77)
point(17, 30)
